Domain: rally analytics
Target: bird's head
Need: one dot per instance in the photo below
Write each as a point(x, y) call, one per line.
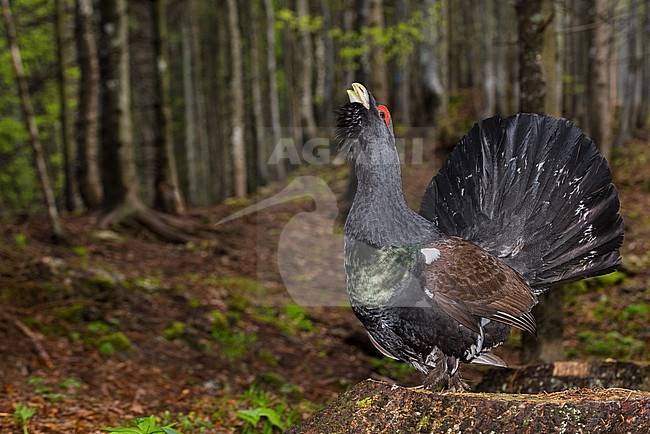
point(365, 129)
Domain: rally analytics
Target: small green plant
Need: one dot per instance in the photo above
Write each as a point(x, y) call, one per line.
point(21, 241)
point(22, 414)
point(233, 343)
point(269, 417)
point(143, 425)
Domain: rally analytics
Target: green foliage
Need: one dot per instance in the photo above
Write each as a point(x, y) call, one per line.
point(34, 26)
point(115, 342)
point(22, 414)
point(263, 415)
point(391, 368)
point(610, 344)
point(175, 330)
point(143, 425)
point(268, 416)
point(21, 241)
point(398, 41)
point(233, 344)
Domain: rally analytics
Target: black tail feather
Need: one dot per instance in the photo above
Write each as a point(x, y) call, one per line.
point(533, 191)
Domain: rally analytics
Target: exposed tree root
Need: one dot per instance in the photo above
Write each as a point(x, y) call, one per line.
point(165, 226)
point(34, 338)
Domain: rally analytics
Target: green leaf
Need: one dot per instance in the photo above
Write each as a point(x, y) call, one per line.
point(128, 430)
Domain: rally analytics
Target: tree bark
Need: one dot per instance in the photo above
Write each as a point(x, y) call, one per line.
point(30, 123)
point(72, 200)
point(237, 135)
point(626, 112)
point(374, 407)
point(274, 99)
point(644, 102)
point(530, 25)
point(118, 164)
point(306, 70)
point(600, 112)
point(377, 59)
point(87, 135)
point(167, 197)
point(262, 146)
point(550, 62)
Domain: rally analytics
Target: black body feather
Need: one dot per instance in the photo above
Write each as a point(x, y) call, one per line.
point(533, 191)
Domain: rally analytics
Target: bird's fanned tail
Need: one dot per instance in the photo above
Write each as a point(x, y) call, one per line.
point(535, 192)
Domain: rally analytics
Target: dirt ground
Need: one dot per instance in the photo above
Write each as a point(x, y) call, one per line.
point(118, 324)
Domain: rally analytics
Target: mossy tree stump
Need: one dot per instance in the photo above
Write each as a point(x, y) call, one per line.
point(376, 407)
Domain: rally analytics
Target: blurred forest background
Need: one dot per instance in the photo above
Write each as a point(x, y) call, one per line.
point(178, 104)
point(168, 115)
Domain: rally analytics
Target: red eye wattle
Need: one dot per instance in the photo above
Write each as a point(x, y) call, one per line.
point(384, 113)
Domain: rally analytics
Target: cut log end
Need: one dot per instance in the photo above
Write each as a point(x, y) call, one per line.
point(376, 407)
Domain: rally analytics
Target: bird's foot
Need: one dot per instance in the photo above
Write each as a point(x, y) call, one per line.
point(456, 383)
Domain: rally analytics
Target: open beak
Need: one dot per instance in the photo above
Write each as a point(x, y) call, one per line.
point(359, 94)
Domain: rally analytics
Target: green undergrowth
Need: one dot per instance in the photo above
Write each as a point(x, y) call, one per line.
point(255, 410)
point(612, 327)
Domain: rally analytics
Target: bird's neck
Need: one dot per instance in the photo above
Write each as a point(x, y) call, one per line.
point(380, 215)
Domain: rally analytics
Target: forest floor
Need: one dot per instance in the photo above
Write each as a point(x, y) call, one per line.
point(119, 325)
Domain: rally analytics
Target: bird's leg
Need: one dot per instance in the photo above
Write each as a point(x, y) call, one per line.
point(435, 376)
point(456, 383)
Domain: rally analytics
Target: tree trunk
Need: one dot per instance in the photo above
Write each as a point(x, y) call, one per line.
point(274, 99)
point(488, 47)
point(30, 122)
point(72, 200)
point(207, 185)
point(530, 25)
point(644, 102)
point(501, 59)
point(167, 196)
point(547, 345)
point(237, 138)
point(600, 112)
point(378, 74)
point(118, 164)
point(626, 112)
point(193, 167)
point(87, 135)
point(550, 63)
point(306, 70)
point(262, 146)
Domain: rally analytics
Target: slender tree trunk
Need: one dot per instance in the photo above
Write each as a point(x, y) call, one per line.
point(329, 71)
point(644, 102)
point(207, 185)
point(237, 138)
point(600, 112)
point(274, 99)
point(30, 122)
point(167, 197)
point(87, 134)
point(192, 168)
point(550, 63)
point(262, 147)
point(626, 112)
point(118, 163)
point(306, 70)
point(500, 60)
point(531, 40)
point(72, 201)
point(547, 345)
point(487, 40)
point(378, 71)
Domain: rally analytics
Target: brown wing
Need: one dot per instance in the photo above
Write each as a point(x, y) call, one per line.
point(468, 284)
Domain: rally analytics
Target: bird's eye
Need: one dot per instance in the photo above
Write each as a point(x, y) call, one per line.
point(384, 113)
